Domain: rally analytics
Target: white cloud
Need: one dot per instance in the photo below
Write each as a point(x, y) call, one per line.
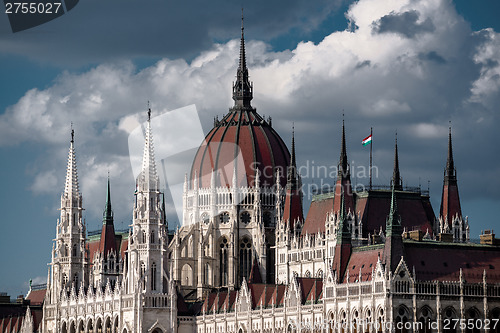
point(415, 84)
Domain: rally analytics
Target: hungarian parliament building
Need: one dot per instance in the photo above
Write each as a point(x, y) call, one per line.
point(247, 260)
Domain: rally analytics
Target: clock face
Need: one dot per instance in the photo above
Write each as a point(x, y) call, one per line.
point(245, 217)
point(205, 218)
point(224, 218)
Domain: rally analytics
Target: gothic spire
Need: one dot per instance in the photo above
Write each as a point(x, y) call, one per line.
point(72, 188)
point(450, 165)
point(107, 242)
point(107, 216)
point(242, 88)
point(343, 168)
point(292, 210)
point(450, 200)
point(396, 176)
point(393, 222)
point(148, 178)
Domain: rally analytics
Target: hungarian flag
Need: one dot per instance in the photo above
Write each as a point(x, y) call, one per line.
point(367, 140)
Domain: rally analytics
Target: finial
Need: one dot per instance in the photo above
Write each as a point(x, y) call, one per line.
point(149, 112)
point(72, 133)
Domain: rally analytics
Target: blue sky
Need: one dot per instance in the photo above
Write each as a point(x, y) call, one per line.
point(405, 65)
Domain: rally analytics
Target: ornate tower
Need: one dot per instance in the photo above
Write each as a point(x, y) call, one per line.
point(69, 265)
point(107, 264)
point(450, 213)
point(147, 259)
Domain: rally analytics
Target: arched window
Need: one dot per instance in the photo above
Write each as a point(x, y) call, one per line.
point(152, 240)
point(473, 315)
point(245, 258)
point(74, 250)
point(153, 276)
point(187, 275)
point(64, 280)
point(75, 280)
point(425, 318)
point(143, 275)
point(143, 237)
point(402, 317)
point(223, 261)
point(448, 316)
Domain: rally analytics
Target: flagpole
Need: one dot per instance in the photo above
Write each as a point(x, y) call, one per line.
point(371, 144)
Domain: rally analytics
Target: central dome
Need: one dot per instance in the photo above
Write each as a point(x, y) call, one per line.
point(242, 141)
point(245, 142)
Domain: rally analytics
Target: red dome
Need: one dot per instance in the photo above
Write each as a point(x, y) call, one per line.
point(243, 138)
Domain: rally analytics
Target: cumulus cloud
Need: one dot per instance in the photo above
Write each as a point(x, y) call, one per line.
point(440, 70)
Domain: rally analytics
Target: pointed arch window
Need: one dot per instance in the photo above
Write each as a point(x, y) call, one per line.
point(223, 261)
point(152, 240)
point(74, 250)
point(143, 275)
point(75, 280)
point(245, 258)
point(144, 237)
point(153, 276)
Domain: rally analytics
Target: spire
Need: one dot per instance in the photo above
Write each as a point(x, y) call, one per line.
point(292, 210)
point(71, 188)
point(393, 223)
point(148, 178)
point(396, 176)
point(450, 173)
point(107, 216)
point(242, 88)
point(450, 200)
point(393, 247)
point(343, 167)
point(343, 183)
point(107, 241)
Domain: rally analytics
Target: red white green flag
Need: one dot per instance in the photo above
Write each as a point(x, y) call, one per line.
point(366, 141)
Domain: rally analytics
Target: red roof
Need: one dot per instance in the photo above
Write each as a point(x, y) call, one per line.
point(94, 246)
point(36, 297)
point(414, 209)
point(364, 259)
point(443, 261)
point(316, 217)
point(259, 145)
point(310, 289)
